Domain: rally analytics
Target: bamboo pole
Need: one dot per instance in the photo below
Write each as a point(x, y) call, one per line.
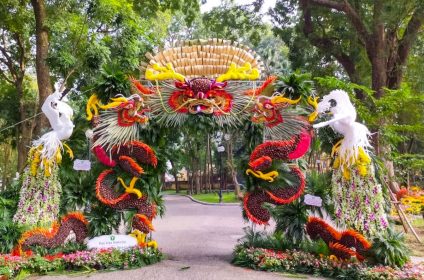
point(403, 216)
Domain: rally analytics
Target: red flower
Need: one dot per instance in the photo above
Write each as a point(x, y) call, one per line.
point(401, 193)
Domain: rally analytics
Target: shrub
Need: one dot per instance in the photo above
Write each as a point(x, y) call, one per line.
point(389, 248)
point(10, 233)
point(262, 239)
point(291, 219)
point(293, 261)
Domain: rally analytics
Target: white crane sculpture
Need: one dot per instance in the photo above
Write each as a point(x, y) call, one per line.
point(357, 195)
point(39, 197)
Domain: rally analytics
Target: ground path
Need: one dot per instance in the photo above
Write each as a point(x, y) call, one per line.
point(198, 241)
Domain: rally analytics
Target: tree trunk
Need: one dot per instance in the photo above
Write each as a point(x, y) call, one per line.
point(176, 182)
point(233, 170)
point(41, 67)
point(6, 160)
point(175, 174)
point(211, 181)
point(25, 128)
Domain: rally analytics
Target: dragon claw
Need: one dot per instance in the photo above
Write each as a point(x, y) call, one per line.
point(131, 188)
point(141, 239)
point(270, 176)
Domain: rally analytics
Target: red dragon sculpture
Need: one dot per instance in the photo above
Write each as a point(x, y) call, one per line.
point(288, 137)
point(115, 146)
point(54, 236)
point(344, 245)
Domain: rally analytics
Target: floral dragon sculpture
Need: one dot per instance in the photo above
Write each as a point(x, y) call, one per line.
point(287, 137)
point(116, 146)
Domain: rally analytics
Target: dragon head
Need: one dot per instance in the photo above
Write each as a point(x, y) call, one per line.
point(201, 95)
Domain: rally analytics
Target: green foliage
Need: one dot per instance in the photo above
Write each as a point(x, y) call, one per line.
point(274, 53)
point(234, 22)
point(294, 261)
point(319, 184)
point(111, 81)
point(296, 85)
point(67, 248)
point(318, 247)
point(9, 110)
point(291, 219)
point(10, 233)
point(102, 219)
point(83, 261)
point(263, 239)
point(190, 8)
point(389, 248)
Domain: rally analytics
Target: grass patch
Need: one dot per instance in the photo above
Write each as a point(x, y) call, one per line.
point(214, 198)
point(416, 248)
point(169, 192)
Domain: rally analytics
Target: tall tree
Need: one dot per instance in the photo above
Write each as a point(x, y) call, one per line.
point(382, 31)
point(41, 53)
point(16, 22)
point(73, 39)
point(362, 36)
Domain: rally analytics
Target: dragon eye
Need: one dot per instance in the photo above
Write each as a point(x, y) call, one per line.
point(268, 106)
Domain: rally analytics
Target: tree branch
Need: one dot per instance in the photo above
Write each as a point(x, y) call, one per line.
point(351, 14)
point(327, 44)
point(411, 34)
point(5, 77)
point(9, 66)
point(7, 60)
point(21, 47)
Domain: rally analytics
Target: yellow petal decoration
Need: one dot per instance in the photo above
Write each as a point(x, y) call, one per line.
point(36, 160)
point(94, 103)
point(115, 103)
point(346, 173)
point(131, 188)
point(282, 99)
point(245, 72)
point(47, 167)
point(58, 156)
point(270, 176)
point(68, 150)
point(336, 147)
point(91, 107)
point(158, 73)
point(141, 239)
point(314, 103)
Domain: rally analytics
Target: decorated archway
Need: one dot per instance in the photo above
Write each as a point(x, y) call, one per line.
point(224, 82)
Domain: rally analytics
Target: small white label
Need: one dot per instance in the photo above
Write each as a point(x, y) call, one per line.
point(119, 241)
point(221, 149)
point(82, 164)
point(313, 200)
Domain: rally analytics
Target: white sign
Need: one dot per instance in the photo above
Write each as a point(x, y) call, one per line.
point(221, 149)
point(313, 200)
point(82, 164)
point(119, 241)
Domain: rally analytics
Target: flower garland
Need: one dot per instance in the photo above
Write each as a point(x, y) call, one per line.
point(358, 202)
point(39, 197)
point(10, 266)
point(293, 261)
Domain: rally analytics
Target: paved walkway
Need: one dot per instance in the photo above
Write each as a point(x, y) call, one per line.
point(198, 241)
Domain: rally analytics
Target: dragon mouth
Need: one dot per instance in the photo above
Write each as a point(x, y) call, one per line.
point(217, 102)
point(205, 106)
